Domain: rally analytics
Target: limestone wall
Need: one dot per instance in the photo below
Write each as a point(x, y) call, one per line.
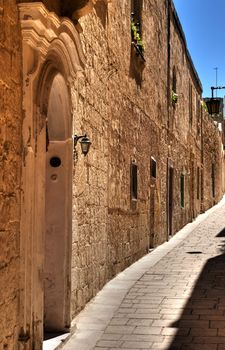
point(10, 165)
point(124, 113)
point(124, 104)
point(185, 127)
point(213, 163)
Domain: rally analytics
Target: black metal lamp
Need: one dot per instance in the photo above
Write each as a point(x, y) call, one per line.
point(213, 104)
point(85, 143)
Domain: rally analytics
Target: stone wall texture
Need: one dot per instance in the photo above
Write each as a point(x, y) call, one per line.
point(124, 104)
point(10, 164)
point(213, 157)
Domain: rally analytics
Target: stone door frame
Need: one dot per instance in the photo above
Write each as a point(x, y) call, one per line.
point(50, 46)
point(170, 197)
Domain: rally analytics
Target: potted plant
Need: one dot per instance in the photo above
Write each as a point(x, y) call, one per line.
point(136, 38)
point(174, 97)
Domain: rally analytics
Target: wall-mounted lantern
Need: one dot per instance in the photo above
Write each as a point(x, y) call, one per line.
point(213, 104)
point(85, 143)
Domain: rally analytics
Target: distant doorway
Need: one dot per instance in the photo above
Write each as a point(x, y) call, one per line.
point(192, 189)
point(58, 208)
point(170, 200)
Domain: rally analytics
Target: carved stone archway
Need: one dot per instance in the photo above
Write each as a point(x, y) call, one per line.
point(73, 9)
point(52, 59)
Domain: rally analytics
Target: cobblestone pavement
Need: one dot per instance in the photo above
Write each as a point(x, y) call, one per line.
point(173, 298)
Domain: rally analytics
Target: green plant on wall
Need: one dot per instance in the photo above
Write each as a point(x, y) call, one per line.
point(204, 106)
point(136, 37)
point(174, 97)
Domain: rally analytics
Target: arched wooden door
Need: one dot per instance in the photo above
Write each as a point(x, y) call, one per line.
point(58, 208)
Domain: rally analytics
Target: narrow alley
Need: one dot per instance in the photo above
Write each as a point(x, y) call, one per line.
point(112, 152)
point(173, 298)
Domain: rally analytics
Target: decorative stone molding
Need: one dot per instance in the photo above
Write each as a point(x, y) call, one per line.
point(46, 35)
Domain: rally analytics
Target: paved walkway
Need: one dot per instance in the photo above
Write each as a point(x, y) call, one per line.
point(173, 298)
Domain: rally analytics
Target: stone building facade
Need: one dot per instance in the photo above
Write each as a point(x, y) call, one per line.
point(70, 223)
point(213, 163)
point(10, 170)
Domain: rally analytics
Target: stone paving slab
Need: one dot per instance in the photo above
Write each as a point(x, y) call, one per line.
point(173, 298)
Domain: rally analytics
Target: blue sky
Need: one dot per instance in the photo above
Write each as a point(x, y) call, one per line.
point(203, 22)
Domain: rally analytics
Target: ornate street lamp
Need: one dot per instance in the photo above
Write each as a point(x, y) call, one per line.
point(85, 143)
point(213, 104)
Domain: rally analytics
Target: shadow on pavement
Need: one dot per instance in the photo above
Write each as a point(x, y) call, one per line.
point(221, 233)
point(202, 323)
point(51, 335)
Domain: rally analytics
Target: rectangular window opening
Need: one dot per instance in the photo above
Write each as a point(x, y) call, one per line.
point(182, 190)
point(134, 181)
point(198, 183)
point(153, 168)
point(136, 11)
